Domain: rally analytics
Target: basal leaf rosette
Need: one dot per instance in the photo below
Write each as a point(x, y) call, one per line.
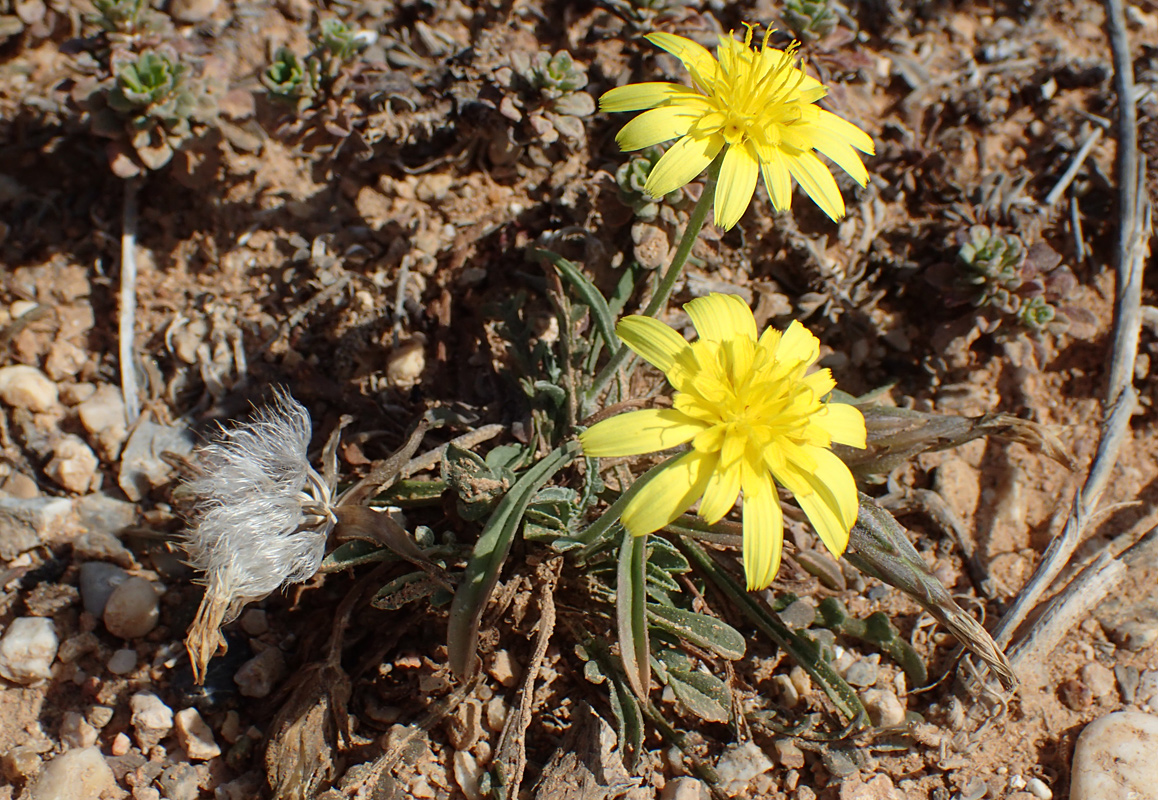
point(759, 108)
point(755, 417)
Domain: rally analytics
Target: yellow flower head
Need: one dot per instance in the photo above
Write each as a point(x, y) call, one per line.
point(757, 104)
point(753, 417)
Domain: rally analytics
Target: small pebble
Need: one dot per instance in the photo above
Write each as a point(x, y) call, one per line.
point(195, 736)
point(28, 649)
point(466, 774)
point(884, 708)
point(133, 609)
point(179, 782)
point(145, 793)
point(64, 360)
point(976, 789)
point(121, 744)
point(739, 765)
point(496, 715)
point(789, 696)
point(142, 467)
point(122, 662)
point(75, 775)
point(97, 582)
point(152, 719)
point(1038, 788)
point(255, 622)
point(27, 387)
point(405, 364)
point(103, 417)
point(864, 671)
point(1114, 758)
point(26, 523)
point(788, 754)
point(1128, 680)
point(1099, 678)
point(21, 763)
point(73, 465)
point(99, 716)
point(685, 788)
point(502, 669)
point(799, 614)
point(258, 676)
point(231, 727)
point(75, 732)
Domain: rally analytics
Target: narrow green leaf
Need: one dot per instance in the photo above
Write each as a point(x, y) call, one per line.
point(699, 629)
point(798, 647)
point(600, 312)
point(354, 554)
point(631, 613)
point(705, 695)
point(490, 553)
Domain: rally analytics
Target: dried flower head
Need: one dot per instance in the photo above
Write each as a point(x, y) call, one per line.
point(754, 418)
point(261, 519)
point(755, 105)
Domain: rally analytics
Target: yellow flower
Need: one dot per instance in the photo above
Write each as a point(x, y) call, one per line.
point(757, 104)
point(754, 419)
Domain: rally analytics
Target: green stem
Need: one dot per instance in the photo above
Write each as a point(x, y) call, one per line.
point(667, 283)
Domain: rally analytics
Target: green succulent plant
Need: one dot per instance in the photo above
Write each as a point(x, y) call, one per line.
point(810, 20)
point(121, 16)
point(631, 176)
point(290, 79)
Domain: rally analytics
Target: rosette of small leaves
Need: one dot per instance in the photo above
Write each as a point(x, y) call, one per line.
point(558, 80)
point(148, 109)
point(810, 20)
point(307, 82)
point(990, 264)
point(631, 178)
point(125, 16)
point(290, 79)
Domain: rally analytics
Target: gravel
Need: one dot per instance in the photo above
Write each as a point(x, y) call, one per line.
point(28, 649)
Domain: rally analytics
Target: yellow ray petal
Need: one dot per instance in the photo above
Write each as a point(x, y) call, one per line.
point(820, 382)
point(843, 422)
point(694, 56)
point(721, 492)
point(817, 182)
point(669, 493)
point(736, 184)
point(832, 505)
point(839, 150)
point(638, 96)
point(846, 131)
point(638, 432)
point(797, 345)
point(777, 179)
point(683, 161)
point(720, 317)
point(763, 538)
point(655, 126)
point(654, 342)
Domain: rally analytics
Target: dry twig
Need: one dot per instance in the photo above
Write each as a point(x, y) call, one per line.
point(1133, 245)
point(127, 316)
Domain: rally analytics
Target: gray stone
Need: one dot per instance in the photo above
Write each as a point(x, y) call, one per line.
point(864, 671)
point(75, 775)
point(799, 614)
point(193, 10)
point(258, 676)
point(1114, 757)
point(179, 782)
point(738, 765)
point(142, 467)
point(28, 650)
point(1128, 679)
point(788, 754)
point(24, 524)
point(152, 719)
point(132, 610)
point(255, 622)
point(122, 662)
point(99, 513)
point(97, 582)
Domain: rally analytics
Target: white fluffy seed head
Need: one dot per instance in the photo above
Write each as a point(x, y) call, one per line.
point(250, 533)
